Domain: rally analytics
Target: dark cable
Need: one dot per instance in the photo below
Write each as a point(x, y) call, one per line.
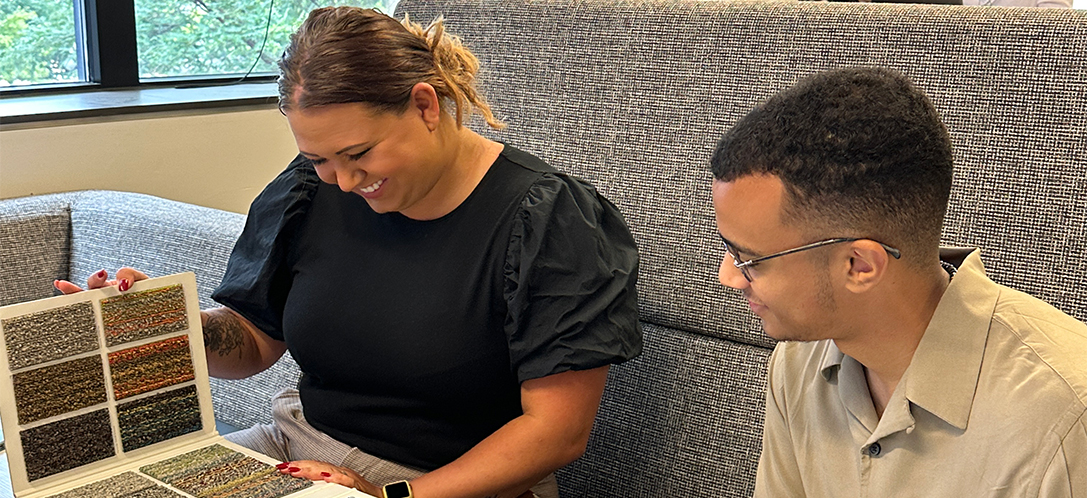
point(267, 28)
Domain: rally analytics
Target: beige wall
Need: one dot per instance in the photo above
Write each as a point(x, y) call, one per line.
point(220, 159)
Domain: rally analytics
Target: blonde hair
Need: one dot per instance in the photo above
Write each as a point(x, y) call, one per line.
point(346, 55)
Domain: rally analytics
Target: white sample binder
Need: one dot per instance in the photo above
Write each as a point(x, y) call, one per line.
point(102, 383)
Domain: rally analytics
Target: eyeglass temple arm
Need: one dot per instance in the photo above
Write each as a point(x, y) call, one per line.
point(813, 245)
point(890, 250)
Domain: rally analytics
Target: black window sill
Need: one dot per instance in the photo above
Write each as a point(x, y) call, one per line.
point(93, 104)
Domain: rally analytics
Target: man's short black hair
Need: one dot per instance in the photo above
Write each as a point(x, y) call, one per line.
point(861, 152)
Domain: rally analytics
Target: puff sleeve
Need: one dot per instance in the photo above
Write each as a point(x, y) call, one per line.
point(258, 276)
point(570, 281)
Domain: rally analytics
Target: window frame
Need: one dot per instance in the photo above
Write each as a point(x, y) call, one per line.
point(109, 63)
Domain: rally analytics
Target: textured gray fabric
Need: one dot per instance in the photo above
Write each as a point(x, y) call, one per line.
point(246, 402)
point(34, 246)
point(633, 96)
point(154, 235)
point(683, 419)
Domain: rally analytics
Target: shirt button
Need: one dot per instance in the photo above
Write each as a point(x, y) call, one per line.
point(874, 449)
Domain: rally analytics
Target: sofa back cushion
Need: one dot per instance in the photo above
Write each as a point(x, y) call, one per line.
point(634, 96)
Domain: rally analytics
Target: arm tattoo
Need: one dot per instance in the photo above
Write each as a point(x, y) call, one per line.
point(223, 332)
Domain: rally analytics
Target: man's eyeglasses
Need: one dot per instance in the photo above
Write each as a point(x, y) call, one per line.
point(745, 266)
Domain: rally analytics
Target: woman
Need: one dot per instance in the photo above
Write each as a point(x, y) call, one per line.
point(454, 303)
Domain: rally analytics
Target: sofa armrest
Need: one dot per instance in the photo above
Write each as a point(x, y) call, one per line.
point(35, 245)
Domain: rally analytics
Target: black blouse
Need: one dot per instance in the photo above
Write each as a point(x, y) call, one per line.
point(414, 336)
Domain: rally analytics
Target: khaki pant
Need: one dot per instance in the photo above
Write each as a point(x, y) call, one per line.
point(290, 437)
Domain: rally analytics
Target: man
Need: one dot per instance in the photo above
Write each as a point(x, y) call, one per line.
point(903, 370)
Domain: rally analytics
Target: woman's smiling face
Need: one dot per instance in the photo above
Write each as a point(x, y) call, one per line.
point(390, 159)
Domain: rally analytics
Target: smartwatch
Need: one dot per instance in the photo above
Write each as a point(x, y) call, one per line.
point(398, 489)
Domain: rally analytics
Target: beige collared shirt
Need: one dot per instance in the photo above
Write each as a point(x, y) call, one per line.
point(993, 404)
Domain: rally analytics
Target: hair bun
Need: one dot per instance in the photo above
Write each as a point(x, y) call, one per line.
point(455, 67)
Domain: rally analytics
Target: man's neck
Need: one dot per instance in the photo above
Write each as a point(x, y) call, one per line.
point(887, 336)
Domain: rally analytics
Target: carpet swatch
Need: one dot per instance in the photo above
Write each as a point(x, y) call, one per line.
point(158, 418)
point(151, 366)
point(64, 445)
point(139, 315)
point(48, 335)
point(127, 485)
point(49, 391)
point(217, 471)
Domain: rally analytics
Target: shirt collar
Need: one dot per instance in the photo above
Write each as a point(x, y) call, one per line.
point(943, 374)
point(831, 361)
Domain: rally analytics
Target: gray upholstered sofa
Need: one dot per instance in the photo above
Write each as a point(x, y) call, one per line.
point(633, 95)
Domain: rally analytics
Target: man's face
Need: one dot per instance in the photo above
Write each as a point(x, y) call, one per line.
point(792, 294)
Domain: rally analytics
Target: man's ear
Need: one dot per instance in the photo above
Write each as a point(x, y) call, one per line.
point(425, 104)
point(868, 262)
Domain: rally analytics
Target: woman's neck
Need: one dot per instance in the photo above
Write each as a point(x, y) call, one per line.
point(470, 155)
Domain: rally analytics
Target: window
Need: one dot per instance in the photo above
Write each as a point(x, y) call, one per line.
point(209, 37)
point(38, 42)
point(43, 42)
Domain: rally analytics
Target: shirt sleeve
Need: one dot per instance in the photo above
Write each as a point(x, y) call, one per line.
point(778, 472)
point(257, 277)
point(1066, 474)
point(570, 281)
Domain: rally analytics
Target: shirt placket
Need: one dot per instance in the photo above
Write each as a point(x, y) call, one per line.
point(869, 431)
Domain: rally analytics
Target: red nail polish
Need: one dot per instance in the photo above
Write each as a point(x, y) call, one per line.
point(101, 274)
point(325, 474)
point(282, 466)
point(293, 469)
point(124, 285)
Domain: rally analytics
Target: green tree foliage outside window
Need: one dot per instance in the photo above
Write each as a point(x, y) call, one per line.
point(37, 42)
point(174, 37)
point(202, 37)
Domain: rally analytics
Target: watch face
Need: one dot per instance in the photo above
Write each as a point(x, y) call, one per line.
point(397, 490)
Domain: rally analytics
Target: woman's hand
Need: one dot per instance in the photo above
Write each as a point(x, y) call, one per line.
point(125, 278)
point(322, 471)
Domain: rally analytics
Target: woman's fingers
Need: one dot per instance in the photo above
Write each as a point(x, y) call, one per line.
point(306, 469)
point(322, 471)
point(127, 276)
point(340, 478)
point(66, 286)
point(98, 279)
